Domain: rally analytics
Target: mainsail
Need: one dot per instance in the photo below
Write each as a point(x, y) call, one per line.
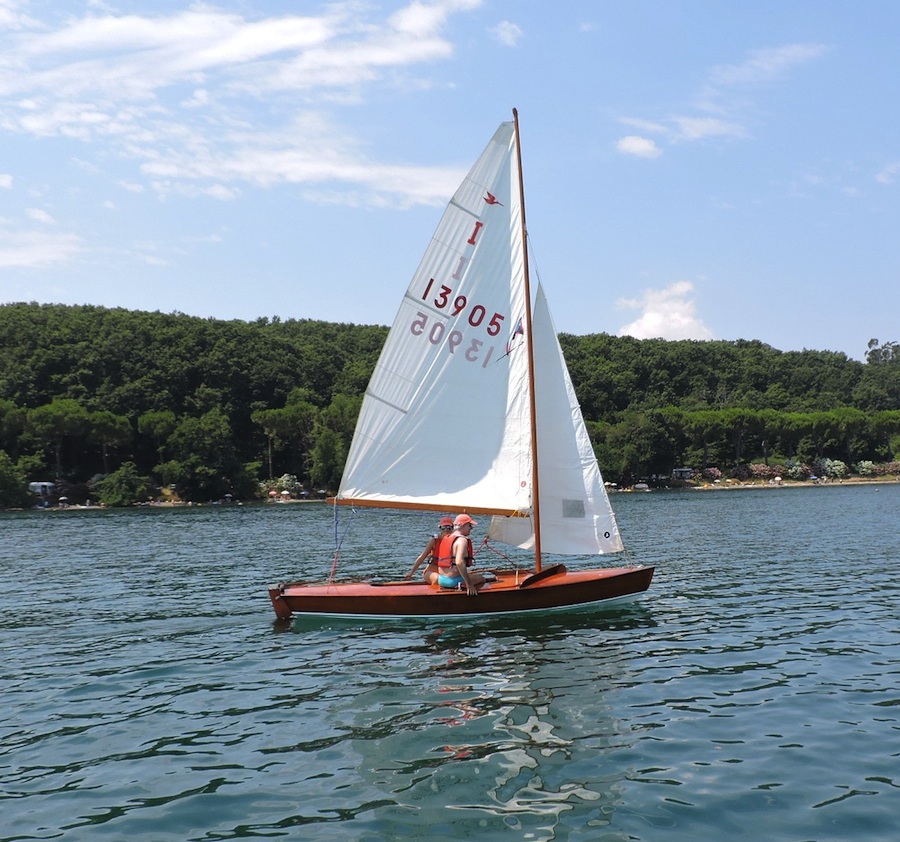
point(445, 423)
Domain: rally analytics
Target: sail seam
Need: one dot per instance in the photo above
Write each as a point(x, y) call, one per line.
point(385, 402)
point(464, 209)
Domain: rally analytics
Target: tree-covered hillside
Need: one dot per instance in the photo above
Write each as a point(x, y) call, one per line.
point(118, 403)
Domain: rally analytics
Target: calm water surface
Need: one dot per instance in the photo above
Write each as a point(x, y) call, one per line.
point(752, 694)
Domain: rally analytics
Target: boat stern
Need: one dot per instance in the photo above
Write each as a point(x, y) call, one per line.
point(276, 594)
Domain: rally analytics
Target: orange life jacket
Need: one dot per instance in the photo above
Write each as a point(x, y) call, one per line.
point(435, 549)
point(446, 559)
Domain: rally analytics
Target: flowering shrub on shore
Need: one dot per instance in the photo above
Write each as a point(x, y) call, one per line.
point(796, 470)
point(286, 482)
point(800, 471)
point(831, 468)
point(759, 471)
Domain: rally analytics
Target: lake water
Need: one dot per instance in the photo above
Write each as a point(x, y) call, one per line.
point(752, 694)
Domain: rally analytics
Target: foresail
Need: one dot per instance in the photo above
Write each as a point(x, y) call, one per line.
point(445, 421)
point(576, 516)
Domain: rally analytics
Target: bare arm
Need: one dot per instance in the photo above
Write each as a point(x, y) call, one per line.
point(426, 553)
point(459, 557)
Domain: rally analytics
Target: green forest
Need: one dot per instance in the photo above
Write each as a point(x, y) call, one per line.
point(118, 407)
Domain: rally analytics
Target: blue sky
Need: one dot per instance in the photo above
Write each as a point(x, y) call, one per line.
point(694, 169)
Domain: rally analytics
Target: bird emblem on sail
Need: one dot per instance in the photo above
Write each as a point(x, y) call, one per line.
point(491, 199)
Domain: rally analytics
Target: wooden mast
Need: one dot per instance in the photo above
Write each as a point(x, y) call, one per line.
point(529, 341)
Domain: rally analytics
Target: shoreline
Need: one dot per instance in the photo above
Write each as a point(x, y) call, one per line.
point(723, 485)
point(165, 504)
point(734, 485)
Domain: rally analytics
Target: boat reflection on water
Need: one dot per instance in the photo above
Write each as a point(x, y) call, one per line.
point(483, 728)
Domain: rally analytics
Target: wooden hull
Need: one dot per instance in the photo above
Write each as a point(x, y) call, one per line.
point(512, 591)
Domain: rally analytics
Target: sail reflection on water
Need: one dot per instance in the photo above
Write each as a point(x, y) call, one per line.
point(523, 718)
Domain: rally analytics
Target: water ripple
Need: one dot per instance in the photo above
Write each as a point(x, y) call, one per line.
point(753, 693)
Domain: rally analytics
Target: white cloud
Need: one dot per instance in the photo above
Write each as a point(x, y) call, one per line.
point(148, 251)
point(681, 129)
point(697, 128)
point(641, 147)
point(507, 33)
point(889, 173)
point(199, 99)
point(419, 18)
point(214, 191)
point(11, 17)
point(6, 181)
point(36, 249)
point(717, 98)
point(209, 238)
point(647, 126)
point(39, 215)
point(668, 313)
point(765, 65)
point(86, 166)
point(179, 94)
point(306, 153)
point(152, 260)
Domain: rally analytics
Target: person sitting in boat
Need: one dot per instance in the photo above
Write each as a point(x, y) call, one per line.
point(455, 557)
point(430, 574)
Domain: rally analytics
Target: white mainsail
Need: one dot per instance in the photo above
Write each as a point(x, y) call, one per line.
point(445, 422)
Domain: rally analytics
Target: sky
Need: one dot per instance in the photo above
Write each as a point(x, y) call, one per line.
point(694, 169)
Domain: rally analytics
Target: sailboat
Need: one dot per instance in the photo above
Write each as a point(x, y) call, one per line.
point(472, 370)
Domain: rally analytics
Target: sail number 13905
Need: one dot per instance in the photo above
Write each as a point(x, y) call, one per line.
point(437, 332)
point(477, 314)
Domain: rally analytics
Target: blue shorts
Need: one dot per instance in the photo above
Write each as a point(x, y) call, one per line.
point(450, 581)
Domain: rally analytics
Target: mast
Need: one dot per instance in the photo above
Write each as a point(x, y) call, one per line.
point(529, 341)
